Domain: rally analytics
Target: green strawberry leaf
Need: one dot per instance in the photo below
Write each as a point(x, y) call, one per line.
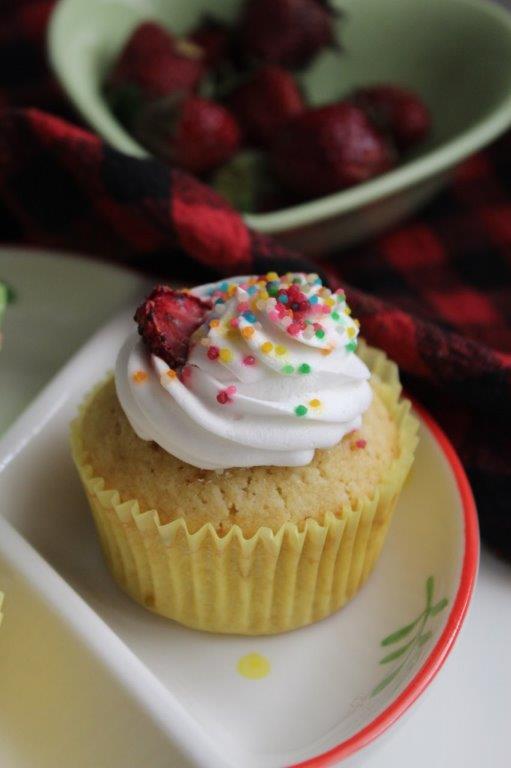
point(7, 293)
point(4, 299)
point(245, 181)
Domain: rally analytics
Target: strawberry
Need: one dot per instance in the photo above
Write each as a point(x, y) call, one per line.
point(329, 148)
point(152, 64)
point(266, 102)
point(197, 135)
point(213, 38)
point(166, 321)
point(286, 32)
point(395, 111)
point(207, 135)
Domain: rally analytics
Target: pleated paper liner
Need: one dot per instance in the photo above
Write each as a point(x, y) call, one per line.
point(1, 605)
point(269, 583)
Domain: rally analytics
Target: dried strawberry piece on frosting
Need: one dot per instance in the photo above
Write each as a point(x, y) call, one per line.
point(166, 321)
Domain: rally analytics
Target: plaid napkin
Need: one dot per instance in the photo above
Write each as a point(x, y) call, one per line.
point(435, 293)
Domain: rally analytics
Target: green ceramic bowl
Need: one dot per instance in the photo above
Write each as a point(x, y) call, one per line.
point(455, 53)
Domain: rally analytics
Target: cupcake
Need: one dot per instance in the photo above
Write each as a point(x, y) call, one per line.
point(243, 463)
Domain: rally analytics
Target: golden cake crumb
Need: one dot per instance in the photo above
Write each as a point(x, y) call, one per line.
point(248, 497)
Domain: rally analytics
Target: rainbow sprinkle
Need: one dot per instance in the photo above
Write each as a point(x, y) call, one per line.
point(297, 305)
point(226, 395)
point(226, 355)
point(139, 377)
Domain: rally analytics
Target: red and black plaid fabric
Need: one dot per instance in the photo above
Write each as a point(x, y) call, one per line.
point(434, 293)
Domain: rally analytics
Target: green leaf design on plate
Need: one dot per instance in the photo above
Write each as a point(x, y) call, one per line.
point(386, 680)
point(396, 654)
point(424, 638)
point(438, 607)
point(430, 588)
point(409, 652)
point(400, 633)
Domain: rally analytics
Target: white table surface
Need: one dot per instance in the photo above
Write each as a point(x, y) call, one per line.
point(462, 721)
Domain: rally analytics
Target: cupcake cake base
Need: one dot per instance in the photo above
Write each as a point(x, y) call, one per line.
point(252, 568)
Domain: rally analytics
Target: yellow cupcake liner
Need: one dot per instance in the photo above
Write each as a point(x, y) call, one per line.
point(269, 583)
point(1, 605)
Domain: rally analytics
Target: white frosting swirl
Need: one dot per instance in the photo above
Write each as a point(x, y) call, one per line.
point(269, 395)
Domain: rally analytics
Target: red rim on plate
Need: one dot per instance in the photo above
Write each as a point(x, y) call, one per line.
point(446, 640)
